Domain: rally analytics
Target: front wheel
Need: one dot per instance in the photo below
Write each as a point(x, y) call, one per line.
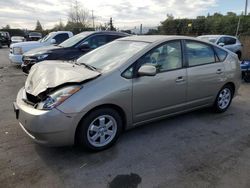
point(100, 129)
point(223, 99)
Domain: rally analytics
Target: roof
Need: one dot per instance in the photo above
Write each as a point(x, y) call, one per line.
point(216, 36)
point(105, 32)
point(154, 38)
point(61, 32)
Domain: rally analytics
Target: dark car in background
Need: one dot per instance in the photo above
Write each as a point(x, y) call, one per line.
point(4, 39)
point(245, 69)
point(70, 49)
point(34, 36)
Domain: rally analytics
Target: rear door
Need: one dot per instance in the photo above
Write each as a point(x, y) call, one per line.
point(206, 74)
point(164, 93)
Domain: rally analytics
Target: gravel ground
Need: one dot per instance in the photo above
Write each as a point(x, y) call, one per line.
point(198, 149)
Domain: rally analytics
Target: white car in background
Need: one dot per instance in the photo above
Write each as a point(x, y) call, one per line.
point(229, 42)
point(17, 39)
point(18, 49)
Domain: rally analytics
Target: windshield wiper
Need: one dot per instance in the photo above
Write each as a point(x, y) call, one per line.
point(87, 66)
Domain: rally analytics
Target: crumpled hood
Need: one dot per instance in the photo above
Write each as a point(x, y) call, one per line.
point(49, 74)
point(41, 50)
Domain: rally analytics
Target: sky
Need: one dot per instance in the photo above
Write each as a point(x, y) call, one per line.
point(126, 14)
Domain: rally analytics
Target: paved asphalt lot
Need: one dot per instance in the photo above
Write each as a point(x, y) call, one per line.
point(198, 149)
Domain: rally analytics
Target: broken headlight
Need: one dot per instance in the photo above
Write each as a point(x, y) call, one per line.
point(57, 97)
point(42, 56)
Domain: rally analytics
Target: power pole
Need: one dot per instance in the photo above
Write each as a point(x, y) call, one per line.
point(238, 26)
point(246, 5)
point(141, 29)
point(93, 19)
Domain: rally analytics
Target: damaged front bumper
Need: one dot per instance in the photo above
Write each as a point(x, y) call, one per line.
point(47, 127)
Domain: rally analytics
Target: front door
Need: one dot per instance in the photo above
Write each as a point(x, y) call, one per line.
point(164, 93)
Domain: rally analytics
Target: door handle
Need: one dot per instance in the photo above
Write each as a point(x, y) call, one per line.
point(179, 79)
point(219, 71)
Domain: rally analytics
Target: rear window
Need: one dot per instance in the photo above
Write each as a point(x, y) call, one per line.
point(221, 54)
point(199, 53)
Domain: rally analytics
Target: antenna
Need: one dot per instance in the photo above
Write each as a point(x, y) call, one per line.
point(246, 5)
point(93, 19)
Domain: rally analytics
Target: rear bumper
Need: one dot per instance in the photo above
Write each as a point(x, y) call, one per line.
point(52, 128)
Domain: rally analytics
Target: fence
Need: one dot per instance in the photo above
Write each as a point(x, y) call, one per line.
point(245, 40)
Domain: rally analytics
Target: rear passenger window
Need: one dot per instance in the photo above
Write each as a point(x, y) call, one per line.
point(113, 37)
point(199, 53)
point(96, 41)
point(230, 40)
point(221, 54)
point(227, 40)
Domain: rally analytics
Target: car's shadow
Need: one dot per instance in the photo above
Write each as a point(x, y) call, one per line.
point(129, 140)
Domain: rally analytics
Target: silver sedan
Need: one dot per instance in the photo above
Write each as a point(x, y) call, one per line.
point(128, 82)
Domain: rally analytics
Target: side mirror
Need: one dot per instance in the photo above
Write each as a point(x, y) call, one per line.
point(53, 41)
point(221, 44)
point(147, 70)
point(84, 47)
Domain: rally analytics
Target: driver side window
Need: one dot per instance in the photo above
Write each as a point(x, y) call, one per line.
point(96, 41)
point(165, 57)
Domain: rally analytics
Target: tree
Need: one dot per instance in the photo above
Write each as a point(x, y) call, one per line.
point(111, 26)
point(59, 27)
point(210, 24)
point(38, 26)
point(78, 18)
point(7, 27)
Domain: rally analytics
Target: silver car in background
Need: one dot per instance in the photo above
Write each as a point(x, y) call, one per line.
point(17, 39)
point(229, 42)
point(128, 82)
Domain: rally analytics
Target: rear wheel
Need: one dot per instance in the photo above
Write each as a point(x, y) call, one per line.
point(1, 45)
point(223, 99)
point(239, 55)
point(100, 129)
point(246, 76)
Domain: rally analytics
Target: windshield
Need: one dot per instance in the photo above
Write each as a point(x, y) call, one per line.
point(112, 54)
point(74, 40)
point(209, 39)
point(46, 38)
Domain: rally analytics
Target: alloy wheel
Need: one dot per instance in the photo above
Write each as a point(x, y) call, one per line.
point(224, 98)
point(102, 130)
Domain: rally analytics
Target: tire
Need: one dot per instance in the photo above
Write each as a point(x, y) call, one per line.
point(1, 45)
point(223, 99)
point(239, 55)
point(91, 132)
point(246, 76)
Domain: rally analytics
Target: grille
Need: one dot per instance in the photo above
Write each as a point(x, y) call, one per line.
point(28, 60)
